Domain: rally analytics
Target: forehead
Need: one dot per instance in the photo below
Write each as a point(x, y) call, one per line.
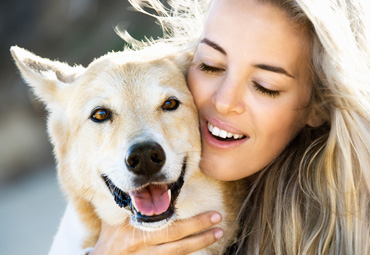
point(118, 79)
point(260, 31)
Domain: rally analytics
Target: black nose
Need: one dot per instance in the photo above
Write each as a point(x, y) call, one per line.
point(146, 158)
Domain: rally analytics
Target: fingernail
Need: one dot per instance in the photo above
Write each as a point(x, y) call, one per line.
point(219, 234)
point(215, 218)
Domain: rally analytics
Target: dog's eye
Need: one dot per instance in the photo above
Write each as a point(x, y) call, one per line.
point(100, 114)
point(171, 104)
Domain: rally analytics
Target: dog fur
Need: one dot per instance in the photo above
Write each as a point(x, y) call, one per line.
point(133, 86)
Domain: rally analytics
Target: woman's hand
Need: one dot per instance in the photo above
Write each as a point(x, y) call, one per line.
point(181, 237)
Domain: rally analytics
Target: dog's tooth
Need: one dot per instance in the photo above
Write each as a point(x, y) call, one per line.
point(169, 194)
point(223, 133)
point(229, 135)
point(134, 204)
point(215, 131)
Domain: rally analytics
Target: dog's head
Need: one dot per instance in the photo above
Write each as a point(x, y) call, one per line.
point(124, 130)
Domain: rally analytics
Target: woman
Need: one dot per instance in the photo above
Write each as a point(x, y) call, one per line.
point(289, 80)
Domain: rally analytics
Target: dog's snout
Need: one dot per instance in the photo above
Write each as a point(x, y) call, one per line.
point(146, 158)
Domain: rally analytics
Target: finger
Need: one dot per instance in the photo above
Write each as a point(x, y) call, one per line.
point(177, 230)
point(190, 244)
point(183, 228)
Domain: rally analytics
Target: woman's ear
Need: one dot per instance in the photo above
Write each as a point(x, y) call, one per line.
point(314, 118)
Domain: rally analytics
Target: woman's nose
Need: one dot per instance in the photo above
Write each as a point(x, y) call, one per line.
point(229, 97)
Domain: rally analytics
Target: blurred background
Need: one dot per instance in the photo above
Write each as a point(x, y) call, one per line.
point(72, 31)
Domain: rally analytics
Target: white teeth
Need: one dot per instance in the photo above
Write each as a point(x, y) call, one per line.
point(222, 133)
point(236, 136)
point(215, 131)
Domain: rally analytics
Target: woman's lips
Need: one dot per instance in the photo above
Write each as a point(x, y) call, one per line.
point(217, 135)
point(223, 134)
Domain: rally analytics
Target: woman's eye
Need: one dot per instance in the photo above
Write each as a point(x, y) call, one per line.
point(171, 104)
point(100, 114)
point(264, 91)
point(210, 69)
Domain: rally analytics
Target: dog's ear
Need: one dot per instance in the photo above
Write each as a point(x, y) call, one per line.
point(46, 77)
point(182, 61)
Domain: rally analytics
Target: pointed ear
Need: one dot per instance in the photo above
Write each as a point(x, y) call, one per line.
point(46, 77)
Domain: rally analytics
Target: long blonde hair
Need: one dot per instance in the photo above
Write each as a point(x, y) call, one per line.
point(315, 197)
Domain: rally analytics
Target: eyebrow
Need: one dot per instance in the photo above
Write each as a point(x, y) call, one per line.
point(274, 69)
point(265, 67)
point(213, 45)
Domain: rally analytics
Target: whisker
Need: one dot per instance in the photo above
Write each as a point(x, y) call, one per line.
point(169, 79)
point(188, 152)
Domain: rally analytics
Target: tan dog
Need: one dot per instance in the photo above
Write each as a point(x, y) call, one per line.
point(126, 139)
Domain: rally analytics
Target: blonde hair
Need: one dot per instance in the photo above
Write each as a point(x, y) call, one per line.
point(315, 197)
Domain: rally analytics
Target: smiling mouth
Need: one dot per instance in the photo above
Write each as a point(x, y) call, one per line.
point(224, 135)
point(152, 202)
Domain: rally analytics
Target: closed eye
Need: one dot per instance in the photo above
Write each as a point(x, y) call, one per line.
point(264, 91)
point(210, 69)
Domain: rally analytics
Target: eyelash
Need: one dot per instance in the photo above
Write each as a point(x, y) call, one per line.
point(264, 91)
point(210, 69)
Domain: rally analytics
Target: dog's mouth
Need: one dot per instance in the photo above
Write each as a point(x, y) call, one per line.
point(152, 202)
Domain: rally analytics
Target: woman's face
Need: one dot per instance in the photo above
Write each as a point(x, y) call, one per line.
point(250, 83)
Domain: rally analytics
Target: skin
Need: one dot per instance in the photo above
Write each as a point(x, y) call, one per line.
point(253, 83)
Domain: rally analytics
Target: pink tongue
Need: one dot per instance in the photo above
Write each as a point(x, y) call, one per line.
point(151, 200)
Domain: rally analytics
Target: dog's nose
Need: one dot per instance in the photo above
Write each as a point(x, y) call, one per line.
point(146, 158)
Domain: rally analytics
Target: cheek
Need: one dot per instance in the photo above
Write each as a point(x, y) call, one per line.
point(197, 86)
point(282, 126)
point(279, 122)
